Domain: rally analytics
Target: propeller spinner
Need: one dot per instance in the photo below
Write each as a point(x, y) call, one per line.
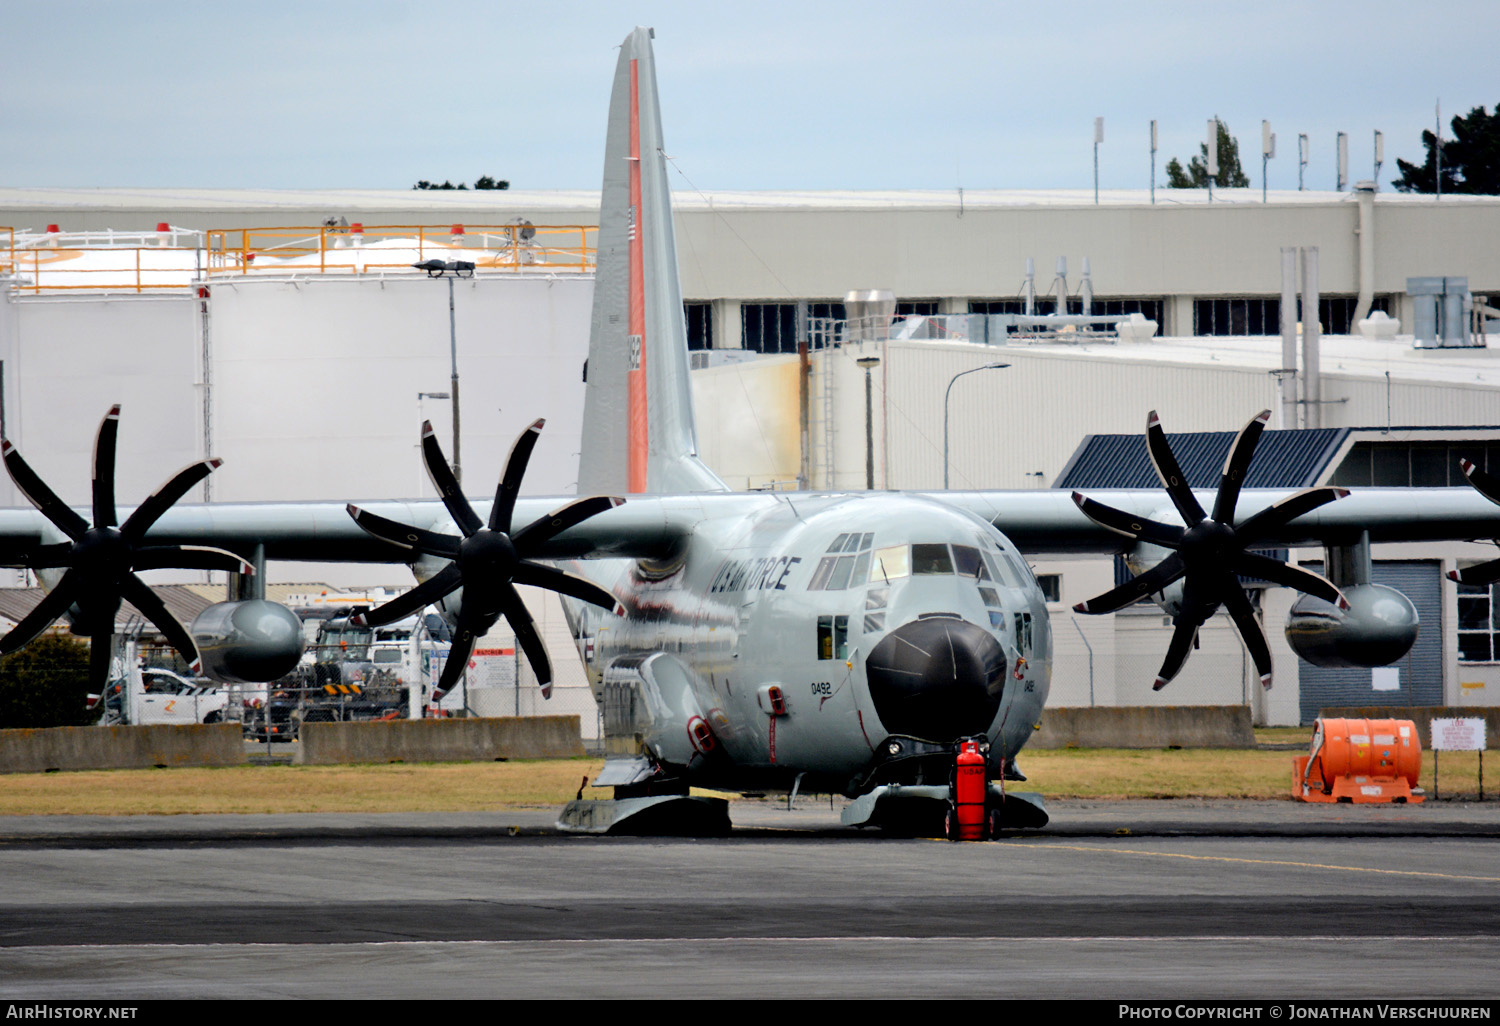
point(100, 559)
point(487, 561)
point(1209, 552)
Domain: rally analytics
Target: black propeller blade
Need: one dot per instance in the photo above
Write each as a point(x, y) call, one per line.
point(1210, 551)
point(101, 558)
point(1489, 486)
point(488, 561)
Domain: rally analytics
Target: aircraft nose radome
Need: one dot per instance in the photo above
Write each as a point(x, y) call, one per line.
point(938, 679)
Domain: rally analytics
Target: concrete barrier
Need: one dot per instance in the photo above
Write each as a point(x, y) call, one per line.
point(1182, 726)
point(442, 740)
point(39, 749)
point(1423, 717)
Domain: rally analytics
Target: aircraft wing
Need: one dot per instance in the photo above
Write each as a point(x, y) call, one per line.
point(1050, 521)
point(653, 527)
point(643, 528)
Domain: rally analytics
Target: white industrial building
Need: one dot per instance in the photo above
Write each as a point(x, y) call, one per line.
point(309, 380)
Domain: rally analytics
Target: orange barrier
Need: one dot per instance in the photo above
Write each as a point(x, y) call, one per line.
point(1360, 761)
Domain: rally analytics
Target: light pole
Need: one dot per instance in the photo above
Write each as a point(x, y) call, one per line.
point(1098, 138)
point(869, 363)
point(946, 393)
point(451, 269)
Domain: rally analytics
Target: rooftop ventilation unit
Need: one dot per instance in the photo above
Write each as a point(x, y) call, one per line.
point(1441, 310)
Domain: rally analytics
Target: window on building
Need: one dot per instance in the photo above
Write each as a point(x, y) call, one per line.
point(1051, 585)
point(822, 323)
point(1151, 309)
point(1147, 308)
point(1044, 305)
point(917, 308)
point(769, 327)
point(1477, 624)
point(1336, 313)
point(1237, 316)
point(1252, 315)
point(700, 325)
point(1413, 464)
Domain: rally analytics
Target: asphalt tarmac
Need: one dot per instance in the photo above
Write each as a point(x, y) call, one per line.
point(1165, 900)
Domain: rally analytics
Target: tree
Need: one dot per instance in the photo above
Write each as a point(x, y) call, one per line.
point(46, 684)
point(1471, 158)
point(483, 182)
point(1230, 175)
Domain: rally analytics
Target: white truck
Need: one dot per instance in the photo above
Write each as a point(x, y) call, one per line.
point(147, 695)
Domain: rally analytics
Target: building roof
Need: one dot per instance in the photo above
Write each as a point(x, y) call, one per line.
point(1283, 459)
point(1343, 356)
point(182, 600)
point(579, 202)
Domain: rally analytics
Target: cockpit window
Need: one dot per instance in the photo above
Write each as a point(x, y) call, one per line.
point(967, 562)
point(1010, 574)
point(1020, 569)
point(930, 559)
point(890, 563)
point(847, 562)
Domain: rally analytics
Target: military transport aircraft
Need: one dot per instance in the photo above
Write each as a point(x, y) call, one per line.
point(871, 644)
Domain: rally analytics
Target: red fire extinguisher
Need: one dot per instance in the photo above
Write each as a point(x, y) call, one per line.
point(969, 786)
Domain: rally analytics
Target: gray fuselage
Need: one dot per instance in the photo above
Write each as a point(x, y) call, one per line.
point(763, 599)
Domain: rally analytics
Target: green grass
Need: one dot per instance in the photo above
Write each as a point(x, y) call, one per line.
point(494, 786)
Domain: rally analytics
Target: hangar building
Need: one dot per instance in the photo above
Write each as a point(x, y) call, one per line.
point(311, 380)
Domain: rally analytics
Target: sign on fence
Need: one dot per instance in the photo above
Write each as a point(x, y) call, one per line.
point(1458, 735)
point(1464, 734)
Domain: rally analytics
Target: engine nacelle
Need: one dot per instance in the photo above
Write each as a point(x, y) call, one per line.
point(248, 642)
point(1379, 628)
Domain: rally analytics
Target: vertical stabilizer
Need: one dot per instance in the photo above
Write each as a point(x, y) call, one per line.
point(638, 433)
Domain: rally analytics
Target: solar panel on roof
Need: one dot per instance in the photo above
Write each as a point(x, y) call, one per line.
point(1283, 459)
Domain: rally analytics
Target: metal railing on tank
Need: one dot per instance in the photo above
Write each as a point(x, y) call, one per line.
point(107, 260)
point(172, 258)
point(376, 249)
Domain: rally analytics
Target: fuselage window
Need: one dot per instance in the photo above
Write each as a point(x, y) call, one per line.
point(890, 564)
point(930, 559)
point(1023, 632)
point(833, 637)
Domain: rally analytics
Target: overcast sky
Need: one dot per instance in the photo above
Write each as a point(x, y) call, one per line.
point(765, 95)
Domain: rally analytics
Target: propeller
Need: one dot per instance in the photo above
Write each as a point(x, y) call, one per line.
point(1210, 551)
point(487, 561)
point(1487, 485)
point(99, 560)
